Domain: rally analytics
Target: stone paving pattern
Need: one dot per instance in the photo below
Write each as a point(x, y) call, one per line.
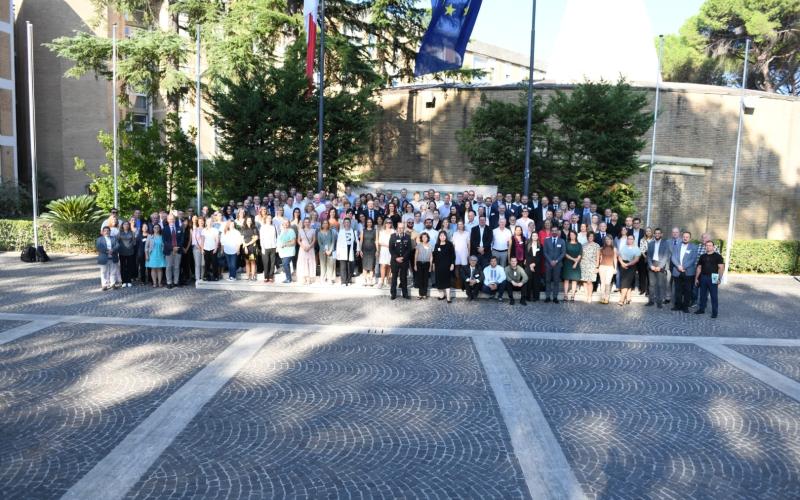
point(70, 393)
point(8, 325)
point(641, 420)
point(784, 360)
point(760, 307)
point(363, 416)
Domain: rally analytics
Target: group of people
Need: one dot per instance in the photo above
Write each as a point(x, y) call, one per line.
point(480, 244)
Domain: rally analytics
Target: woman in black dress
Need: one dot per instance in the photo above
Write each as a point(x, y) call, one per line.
point(250, 238)
point(393, 215)
point(444, 261)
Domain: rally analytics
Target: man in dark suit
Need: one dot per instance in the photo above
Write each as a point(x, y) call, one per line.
point(585, 213)
point(615, 226)
point(371, 212)
point(480, 242)
point(554, 250)
point(173, 249)
point(602, 232)
point(494, 219)
point(472, 277)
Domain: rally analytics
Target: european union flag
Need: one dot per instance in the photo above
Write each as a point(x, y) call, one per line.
point(444, 43)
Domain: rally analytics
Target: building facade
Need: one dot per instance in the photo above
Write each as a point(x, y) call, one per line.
point(695, 149)
point(9, 169)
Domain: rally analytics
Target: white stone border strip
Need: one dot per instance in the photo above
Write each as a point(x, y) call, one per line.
point(755, 369)
point(26, 329)
point(114, 475)
point(380, 330)
point(547, 472)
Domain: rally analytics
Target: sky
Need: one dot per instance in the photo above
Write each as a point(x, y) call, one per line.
point(507, 23)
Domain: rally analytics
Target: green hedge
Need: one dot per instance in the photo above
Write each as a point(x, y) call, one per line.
point(15, 235)
point(765, 256)
point(747, 256)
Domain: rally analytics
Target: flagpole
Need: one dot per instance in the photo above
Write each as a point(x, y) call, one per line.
point(198, 111)
point(732, 216)
point(528, 127)
point(655, 124)
point(321, 92)
point(32, 113)
point(114, 112)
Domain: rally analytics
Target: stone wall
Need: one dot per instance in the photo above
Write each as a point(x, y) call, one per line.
point(695, 150)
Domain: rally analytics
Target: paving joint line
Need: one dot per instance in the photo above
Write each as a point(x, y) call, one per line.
point(26, 329)
point(547, 472)
point(411, 331)
point(755, 369)
point(119, 471)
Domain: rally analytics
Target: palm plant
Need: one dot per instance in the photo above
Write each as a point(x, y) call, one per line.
point(72, 211)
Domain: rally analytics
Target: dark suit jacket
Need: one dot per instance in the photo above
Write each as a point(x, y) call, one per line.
point(102, 250)
point(614, 229)
point(476, 274)
point(494, 219)
point(475, 240)
point(167, 237)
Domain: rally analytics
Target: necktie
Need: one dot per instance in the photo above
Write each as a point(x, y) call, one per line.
point(493, 274)
point(174, 236)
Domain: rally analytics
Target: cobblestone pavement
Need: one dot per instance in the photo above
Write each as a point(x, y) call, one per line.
point(663, 420)
point(70, 393)
point(784, 360)
point(8, 325)
point(750, 307)
point(331, 414)
point(364, 416)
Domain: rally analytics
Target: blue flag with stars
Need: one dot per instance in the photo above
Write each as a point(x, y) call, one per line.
point(445, 41)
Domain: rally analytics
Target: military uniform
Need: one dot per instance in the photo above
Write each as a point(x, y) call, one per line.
point(400, 245)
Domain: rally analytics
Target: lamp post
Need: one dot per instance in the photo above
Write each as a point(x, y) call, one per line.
point(732, 216)
point(32, 118)
point(655, 125)
point(529, 125)
point(114, 111)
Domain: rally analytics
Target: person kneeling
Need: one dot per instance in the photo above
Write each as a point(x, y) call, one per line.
point(494, 279)
point(516, 281)
point(471, 277)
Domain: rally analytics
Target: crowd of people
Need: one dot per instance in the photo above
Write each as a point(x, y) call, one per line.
point(497, 246)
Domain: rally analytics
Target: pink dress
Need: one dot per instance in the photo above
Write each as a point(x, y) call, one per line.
point(306, 259)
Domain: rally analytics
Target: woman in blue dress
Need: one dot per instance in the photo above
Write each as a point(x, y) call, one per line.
point(154, 255)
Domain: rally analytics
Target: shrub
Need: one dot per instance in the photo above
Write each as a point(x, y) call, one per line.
point(765, 256)
point(71, 210)
point(15, 200)
point(15, 235)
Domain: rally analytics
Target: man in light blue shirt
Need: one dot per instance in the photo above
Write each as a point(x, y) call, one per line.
point(494, 279)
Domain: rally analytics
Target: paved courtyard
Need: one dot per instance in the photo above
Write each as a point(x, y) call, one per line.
point(143, 393)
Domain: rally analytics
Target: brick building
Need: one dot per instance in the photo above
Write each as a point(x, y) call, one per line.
point(695, 147)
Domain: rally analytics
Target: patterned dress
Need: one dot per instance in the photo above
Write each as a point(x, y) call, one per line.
point(589, 261)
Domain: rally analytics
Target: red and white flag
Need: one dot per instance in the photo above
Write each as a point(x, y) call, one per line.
point(310, 9)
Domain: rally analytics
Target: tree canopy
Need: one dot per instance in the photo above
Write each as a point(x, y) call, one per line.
point(710, 46)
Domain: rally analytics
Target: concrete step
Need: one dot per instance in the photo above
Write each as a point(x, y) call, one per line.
point(356, 289)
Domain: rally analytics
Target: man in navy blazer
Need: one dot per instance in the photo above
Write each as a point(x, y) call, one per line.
point(658, 262)
point(684, 262)
point(172, 235)
point(554, 250)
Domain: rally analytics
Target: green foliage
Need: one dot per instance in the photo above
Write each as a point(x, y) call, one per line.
point(15, 200)
point(495, 143)
point(15, 235)
point(153, 162)
point(712, 45)
point(765, 256)
point(72, 212)
point(267, 125)
point(149, 61)
point(585, 143)
point(600, 129)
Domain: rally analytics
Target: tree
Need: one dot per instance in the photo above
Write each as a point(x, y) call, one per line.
point(154, 161)
point(585, 143)
point(718, 33)
point(494, 141)
point(267, 126)
point(600, 130)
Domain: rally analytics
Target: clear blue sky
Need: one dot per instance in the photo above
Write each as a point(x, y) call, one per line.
point(507, 23)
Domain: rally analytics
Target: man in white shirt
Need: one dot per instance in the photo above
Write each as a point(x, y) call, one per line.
point(501, 239)
point(210, 246)
point(471, 221)
point(277, 221)
point(419, 226)
point(494, 279)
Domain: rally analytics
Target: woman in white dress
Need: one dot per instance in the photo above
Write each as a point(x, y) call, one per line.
point(461, 244)
point(384, 257)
